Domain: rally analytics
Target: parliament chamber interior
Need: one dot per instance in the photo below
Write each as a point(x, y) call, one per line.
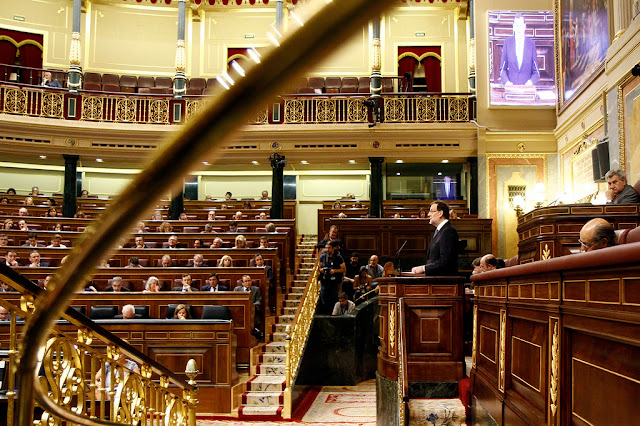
point(431, 208)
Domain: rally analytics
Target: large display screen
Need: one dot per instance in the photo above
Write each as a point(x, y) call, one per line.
point(521, 58)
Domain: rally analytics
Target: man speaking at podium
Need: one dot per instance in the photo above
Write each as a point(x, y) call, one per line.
point(442, 254)
point(519, 61)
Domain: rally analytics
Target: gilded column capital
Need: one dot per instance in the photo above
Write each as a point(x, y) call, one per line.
point(376, 55)
point(74, 50)
point(181, 60)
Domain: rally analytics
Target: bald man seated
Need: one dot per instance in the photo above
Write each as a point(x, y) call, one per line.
point(597, 234)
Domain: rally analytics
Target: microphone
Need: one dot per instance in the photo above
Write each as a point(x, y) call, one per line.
point(398, 256)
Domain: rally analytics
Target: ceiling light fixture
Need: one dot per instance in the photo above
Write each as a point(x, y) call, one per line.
point(352, 161)
point(445, 161)
point(399, 161)
point(99, 160)
point(304, 162)
point(43, 156)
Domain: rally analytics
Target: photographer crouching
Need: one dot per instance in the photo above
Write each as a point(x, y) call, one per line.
point(333, 267)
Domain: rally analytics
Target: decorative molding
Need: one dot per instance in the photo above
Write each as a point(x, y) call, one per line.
point(546, 253)
point(475, 336)
point(503, 344)
point(554, 376)
point(621, 130)
point(392, 330)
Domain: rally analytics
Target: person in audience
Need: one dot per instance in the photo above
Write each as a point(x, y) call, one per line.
point(4, 240)
point(156, 216)
point(337, 205)
point(476, 266)
point(52, 212)
point(128, 312)
point(344, 306)
point(214, 284)
point(140, 228)
point(233, 226)
point(333, 267)
point(619, 192)
point(134, 262)
point(152, 285)
point(4, 314)
point(208, 229)
point(57, 227)
point(270, 227)
point(342, 215)
point(332, 236)
point(63, 260)
point(28, 201)
point(265, 196)
point(138, 242)
point(227, 196)
point(442, 253)
point(120, 244)
point(211, 215)
point(84, 194)
point(116, 285)
point(123, 361)
point(183, 216)
point(362, 283)
point(240, 242)
point(353, 268)
point(264, 242)
point(48, 81)
point(11, 259)
point(597, 234)
point(422, 213)
point(217, 243)
point(198, 243)
point(80, 215)
point(237, 216)
point(246, 205)
point(453, 215)
point(165, 227)
point(56, 242)
point(46, 281)
point(32, 240)
point(226, 261)
point(34, 259)
point(262, 216)
point(166, 261)
point(173, 242)
point(22, 225)
point(50, 202)
point(198, 262)
point(181, 312)
point(256, 298)
point(22, 211)
point(186, 284)
point(4, 287)
point(397, 216)
point(8, 224)
point(374, 269)
point(259, 262)
point(11, 191)
point(104, 263)
point(208, 198)
point(223, 206)
point(488, 262)
point(357, 205)
point(4, 200)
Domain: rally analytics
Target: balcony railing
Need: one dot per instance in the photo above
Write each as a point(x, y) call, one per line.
point(37, 101)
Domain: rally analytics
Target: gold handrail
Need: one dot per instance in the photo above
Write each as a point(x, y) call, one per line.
point(180, 154)
point(403, 378)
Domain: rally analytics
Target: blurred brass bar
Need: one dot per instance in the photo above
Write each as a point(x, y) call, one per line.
point(11, 394)
point(180, 154)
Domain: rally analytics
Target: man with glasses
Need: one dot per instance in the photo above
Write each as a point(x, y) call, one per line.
point(596, 234)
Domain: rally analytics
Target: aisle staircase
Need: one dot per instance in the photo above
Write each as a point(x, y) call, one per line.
point(264, 398)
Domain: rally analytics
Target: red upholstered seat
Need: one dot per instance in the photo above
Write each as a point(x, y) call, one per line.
point(515, 260)
point(350, 81)
point(306, 90)
point(144, 90)
point(198, 83)
point(160, 90)
point(387, 85)
point(92, 77)
point(333, 84)
point(96, 87)
point(193, 91)
point(146, 81)
point(349, 89)
point(211, 82)
point(316, 82)
point(128, 83)
point(165, 82)
point(111, 79)
point(110, 88)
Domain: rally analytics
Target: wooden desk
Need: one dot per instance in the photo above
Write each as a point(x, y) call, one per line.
point(554, 231)
point(433, 322)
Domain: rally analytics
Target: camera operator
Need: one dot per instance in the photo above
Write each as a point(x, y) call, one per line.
point(330, 277)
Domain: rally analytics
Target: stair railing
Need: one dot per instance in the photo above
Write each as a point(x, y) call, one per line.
point(73, 372)
point(403, 379)
point(297, 335)
point(329, 25)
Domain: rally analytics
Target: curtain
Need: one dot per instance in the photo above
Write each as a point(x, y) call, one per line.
point(410, 58)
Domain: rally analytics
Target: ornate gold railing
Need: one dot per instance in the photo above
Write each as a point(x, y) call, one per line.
point(181, 153)
point(415, 108)
point(73, 372)
point(403, 379)
point(125, 109)
point(298, 333)
point(325, 109)
point(32, 101)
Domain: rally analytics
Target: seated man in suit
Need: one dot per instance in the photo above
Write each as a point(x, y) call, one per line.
point(10, 259)
point(34, 259)
point(256, 298)
point(116, 285)
point(214, 284)
point(128, 312)
point(259, 261)
point(488, 262)
point(442, 254)
point(139, 242)
point(619, 192)
point(596, 234)
point(197, 261)
point(186, 284)
point(32, 240)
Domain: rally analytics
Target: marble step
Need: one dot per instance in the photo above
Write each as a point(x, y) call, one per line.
point(298, 289)
point(280, 328)
point(271, 369)
point(291, 303)
point(294, 296)
point(278, 337)
point(247, 411)
point(289, 311)
point(267, 384)
point(262, 399)
point(275, 358)
point(274, 348)
point(285, 319)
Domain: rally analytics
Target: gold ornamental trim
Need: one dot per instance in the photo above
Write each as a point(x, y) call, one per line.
point(181, 57)
point(503, 344)
point(74, 49)
point(392, 330)
point(546, 253)
point(555, 369)
point(376, 55)
point(475, 336)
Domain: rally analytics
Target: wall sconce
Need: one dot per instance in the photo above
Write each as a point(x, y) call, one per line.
point(540, 194)
point(519, 203)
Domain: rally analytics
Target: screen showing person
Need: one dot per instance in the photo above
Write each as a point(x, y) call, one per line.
point(521, 58)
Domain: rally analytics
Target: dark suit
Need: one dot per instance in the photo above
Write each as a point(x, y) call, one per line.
point(220, 288)
point(628, 195)
point(442, 255)
point(191, 265)
point(256, 297)
point(509, 69)
point(41, 264)
point(121, 289)
point(179, 288)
